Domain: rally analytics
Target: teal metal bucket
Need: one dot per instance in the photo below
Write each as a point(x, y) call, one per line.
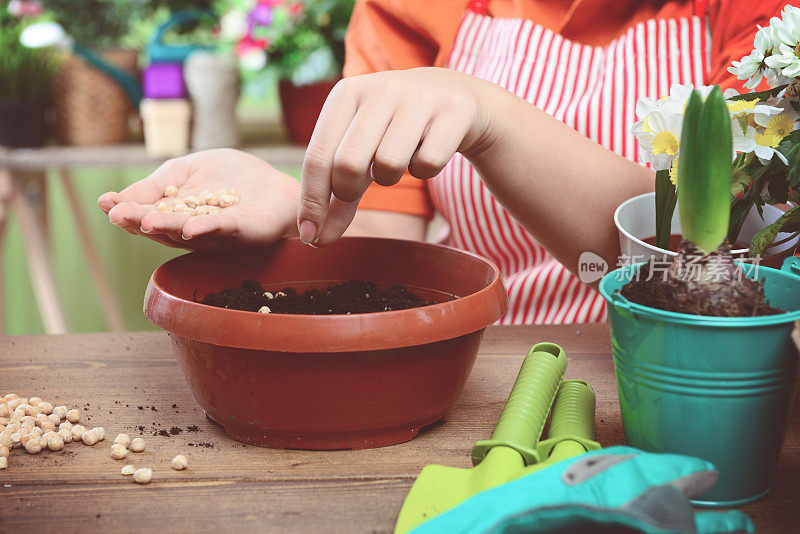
point(717, 388)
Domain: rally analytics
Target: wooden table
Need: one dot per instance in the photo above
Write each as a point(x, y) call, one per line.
point(126, 380)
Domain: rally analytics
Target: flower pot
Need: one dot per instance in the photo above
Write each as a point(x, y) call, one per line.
point(166, 126)
point(22, 123)
point(90, 107)
point(636, 221)
point(212, 80)
point(718, 388)
point(301, 107)
point(335, 381)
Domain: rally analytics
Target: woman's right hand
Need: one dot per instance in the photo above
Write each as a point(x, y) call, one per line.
point(265, 213)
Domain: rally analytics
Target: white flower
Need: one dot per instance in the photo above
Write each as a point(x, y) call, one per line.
point(786, 35)
point(253, 59)
point(658, 132)
point(233, 25)
point(752, 67)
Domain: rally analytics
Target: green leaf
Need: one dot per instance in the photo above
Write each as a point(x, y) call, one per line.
point(788, 222)
point(760, 95)
point(666, 197)
point(705, 170)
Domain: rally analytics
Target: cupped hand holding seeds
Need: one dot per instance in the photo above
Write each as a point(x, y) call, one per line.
point(265, 212)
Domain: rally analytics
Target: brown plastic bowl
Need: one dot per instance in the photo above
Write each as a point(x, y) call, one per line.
point(333, 381)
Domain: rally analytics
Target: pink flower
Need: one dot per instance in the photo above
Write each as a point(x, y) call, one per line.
point(23, 8)
point(295, 8)
point(247, 44)
point(270, 3)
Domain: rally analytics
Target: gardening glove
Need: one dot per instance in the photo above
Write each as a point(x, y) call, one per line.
point(618, 489)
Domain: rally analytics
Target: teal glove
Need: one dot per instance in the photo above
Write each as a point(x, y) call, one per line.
point(618, 489)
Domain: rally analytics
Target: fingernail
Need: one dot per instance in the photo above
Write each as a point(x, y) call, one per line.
point(185, 238)
point(146, 230)
point(308, 232)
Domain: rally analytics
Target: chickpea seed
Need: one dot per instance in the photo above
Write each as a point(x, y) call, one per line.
point(55, 443)
point(123, 439)
point(45, 408)
point(74, 415)
point(179, 463)
point(3, 462)
point(137, 445)
point(77, 432)
point(143, 475)
point(66, 435)
point(66, 425)
point(192, 201)
point(163, 206)
point(34, 400)
point(33, 446)
point(118, 452)
point(89, 438)
point(214, 210)
point(226, 201)
point(4, 451)
point(170, 191)
point(201, 210)
point(264, 309)
point(101, 433)
point(127, 470)
point(53, 418)
point(60, 411)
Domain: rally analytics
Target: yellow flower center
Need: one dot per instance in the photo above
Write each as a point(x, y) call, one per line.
point(797, 50)
point(737, 106)
point(665, 143)
point(673, 172)
point(777, 128)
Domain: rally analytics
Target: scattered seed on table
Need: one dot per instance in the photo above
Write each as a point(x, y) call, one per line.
point(55, 419)
point(89, 438)
point(101, 433)
point(127, 470)
point(170, 191)
point(34, 400)
point(60, 411)
point(74, 415)
point(143, 475)
point(264, 309)
point(33, 446)
point(179, 463)
point(77, 432)
point(66, 425)
point(123, 439)
point(45, 408)
point(55, 442)
point(137, 445)
point(3, 462)
point(4, 451)
point(118, 452)
point(66, 435)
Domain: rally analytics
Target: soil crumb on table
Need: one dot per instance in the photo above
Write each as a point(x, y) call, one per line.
point(351, 297)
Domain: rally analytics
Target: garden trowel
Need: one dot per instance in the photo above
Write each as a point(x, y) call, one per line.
point(514, 449)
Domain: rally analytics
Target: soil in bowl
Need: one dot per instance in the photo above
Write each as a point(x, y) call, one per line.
point(344, 298)
point(700, 284)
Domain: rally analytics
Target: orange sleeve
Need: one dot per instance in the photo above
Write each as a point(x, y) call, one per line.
point(733, 28)
point(392, 35)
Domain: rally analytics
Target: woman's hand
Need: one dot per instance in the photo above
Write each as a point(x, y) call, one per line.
point(265, 213)
point(375, 126)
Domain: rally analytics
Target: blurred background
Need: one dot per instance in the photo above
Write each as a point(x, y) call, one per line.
point(95, 94)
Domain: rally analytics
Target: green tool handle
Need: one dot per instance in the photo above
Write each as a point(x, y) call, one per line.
point(523, 417)
point(572, 424)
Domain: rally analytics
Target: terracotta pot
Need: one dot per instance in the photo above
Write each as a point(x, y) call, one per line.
point(22, 123)
point(336, 381)
point(301, 107)
point(91, 108)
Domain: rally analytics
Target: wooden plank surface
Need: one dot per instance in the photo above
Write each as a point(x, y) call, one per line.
point(128, 155)
point(234, 486)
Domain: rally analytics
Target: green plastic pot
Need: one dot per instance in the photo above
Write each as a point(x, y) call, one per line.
point(717, 388)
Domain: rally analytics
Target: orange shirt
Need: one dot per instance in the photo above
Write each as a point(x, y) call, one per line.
point(403, 34)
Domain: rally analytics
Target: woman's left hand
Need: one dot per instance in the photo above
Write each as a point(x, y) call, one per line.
point(373, 128)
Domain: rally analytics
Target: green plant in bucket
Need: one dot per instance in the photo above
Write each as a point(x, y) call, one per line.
point(703, 280)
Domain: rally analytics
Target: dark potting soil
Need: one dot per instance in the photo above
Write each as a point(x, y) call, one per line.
point(700, 284)
point(352, 297)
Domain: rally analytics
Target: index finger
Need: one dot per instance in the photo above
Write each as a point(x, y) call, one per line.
point(151, 189)
point(315, 192)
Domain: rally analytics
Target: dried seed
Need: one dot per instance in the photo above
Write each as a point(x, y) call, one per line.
point(55, 419)
point(188, 211)
point(123, 439)
point(3, 462)
point(66, 435)
point(226, 201)
point(33, 446)
point(143, 475)
point(214, 210)
point(170, 191)
point(213, 200)
point(118, 452)
point(60, 411)
point(55, 442)
point(127, 470)
point(264, 309)
point(137, 445)
point(34, 400)
point(77, 432)
point(45, 408)
point(89, 437)
point(101, 433)
point(179, 463)
point(66, 425)
point(201, 210)
point(31, 410)
point(178, 207)
point(74, 415)
point(4, 451)
point(164, 206)
point(192, 201)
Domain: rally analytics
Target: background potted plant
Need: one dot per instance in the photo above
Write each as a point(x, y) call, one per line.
point(25, 78)
point(299, 43)
point(90, 108)
point(766, 143)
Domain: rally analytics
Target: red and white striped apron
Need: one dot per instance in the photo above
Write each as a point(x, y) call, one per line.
point(591, 89)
